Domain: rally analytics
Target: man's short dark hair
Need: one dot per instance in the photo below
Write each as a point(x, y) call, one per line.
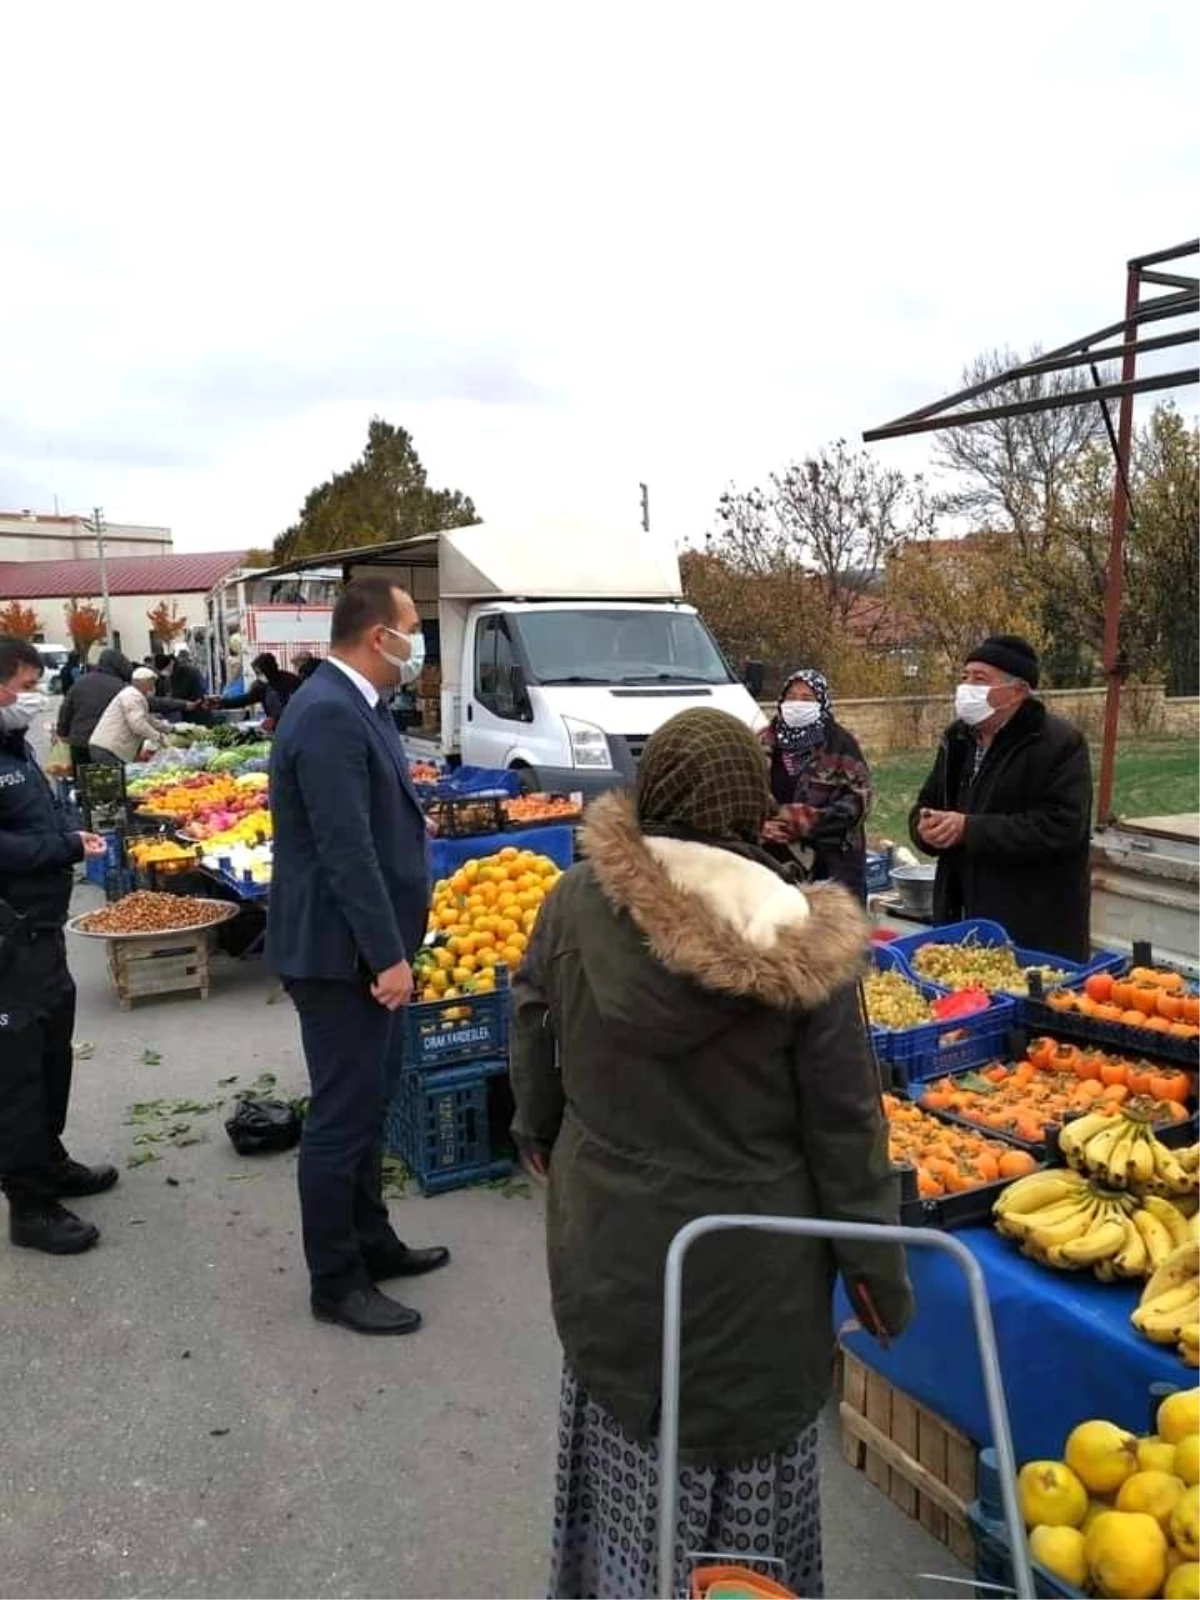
point(16, 653)
point(364, 603)
point(265, 663)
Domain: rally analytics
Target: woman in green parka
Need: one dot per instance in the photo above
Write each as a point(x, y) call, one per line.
point(688, 1040)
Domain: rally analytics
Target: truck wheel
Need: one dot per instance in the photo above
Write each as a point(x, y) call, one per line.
point(526, 778)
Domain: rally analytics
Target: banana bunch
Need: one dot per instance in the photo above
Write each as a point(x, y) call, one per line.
point(1064, 1220)
point(1169, 1310)
point(1122, 1153)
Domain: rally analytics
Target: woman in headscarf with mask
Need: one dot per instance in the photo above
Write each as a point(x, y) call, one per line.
point(688, 1040)
point(821, 784)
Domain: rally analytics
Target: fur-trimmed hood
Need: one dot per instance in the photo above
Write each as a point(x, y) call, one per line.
point(723, 921)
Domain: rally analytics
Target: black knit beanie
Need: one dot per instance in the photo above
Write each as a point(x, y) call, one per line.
point(1008, 652)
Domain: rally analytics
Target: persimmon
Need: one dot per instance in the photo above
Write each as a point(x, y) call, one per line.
point(1113, 1070)
point(1061, 1000)
point(927, 1185)
point(1170, 1004)
point(1016, 1163)
point(1134, 1019)
point(1191, 1009)
point(1144, 998)
point(1140, 1077)
point(1122, 993)
point(1158, 1025)
point(1185, 1030)
point(1116, 1093)
point(1099, 987)
point(1040, 1051)
point(1107, 1013)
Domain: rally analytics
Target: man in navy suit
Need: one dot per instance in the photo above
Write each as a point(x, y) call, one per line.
point(348, 910)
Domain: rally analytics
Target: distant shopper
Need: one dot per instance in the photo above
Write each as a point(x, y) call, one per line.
point(71, 669)
point(272, 688)
point(127, 723)
point(821, 784)
point(1007, 808)
point(688, 1040)
point(186, 682)
point(37, 997)
point(87, 700)
point(305, 664)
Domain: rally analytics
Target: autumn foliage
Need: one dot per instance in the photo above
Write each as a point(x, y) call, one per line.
point(18, 621)
point(166, 624)
point(85, 624)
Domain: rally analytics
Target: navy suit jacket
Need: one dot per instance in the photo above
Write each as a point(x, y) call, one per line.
point(350, 886)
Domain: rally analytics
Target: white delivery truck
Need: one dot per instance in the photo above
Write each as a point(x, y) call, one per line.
point(558, 657)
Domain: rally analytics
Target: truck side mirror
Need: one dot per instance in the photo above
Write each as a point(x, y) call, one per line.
point(754, 676)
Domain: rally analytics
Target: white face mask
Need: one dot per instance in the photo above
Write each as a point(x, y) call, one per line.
point(800, 713)
point(971, 703)
point(410, 667)
point(15, 718)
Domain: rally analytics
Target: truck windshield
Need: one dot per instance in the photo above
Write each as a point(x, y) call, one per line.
point(619, 647)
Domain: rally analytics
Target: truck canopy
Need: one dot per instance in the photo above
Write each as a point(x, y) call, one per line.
point(489, 562)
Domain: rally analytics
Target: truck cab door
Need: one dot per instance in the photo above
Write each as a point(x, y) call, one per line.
point(496, 714)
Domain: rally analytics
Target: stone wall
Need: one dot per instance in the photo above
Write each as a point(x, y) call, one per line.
point(916, 722)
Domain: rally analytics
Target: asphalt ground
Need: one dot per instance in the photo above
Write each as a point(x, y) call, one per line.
point(172, 1420)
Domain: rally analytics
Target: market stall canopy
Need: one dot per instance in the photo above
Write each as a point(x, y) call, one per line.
point(485, 561)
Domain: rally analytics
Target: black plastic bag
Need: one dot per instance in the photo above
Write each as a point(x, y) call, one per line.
point(260, 1127)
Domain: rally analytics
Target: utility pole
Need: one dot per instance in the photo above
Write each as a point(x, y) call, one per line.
point(645, 507)
point(98, 530)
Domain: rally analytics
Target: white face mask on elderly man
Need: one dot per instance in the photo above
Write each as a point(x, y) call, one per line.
point(971, 703)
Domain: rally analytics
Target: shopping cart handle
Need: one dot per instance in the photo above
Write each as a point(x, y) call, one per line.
point(834, 1232)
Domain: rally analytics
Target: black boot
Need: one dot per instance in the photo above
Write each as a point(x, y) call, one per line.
point(45, 1225)
point(71, 1179)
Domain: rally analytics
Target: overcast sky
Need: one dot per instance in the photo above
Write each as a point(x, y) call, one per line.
point(568, 248)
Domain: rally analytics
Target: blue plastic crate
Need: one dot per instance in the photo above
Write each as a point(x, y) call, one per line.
point(934, 1048)
point(440, 1125)
point(436, 1033)
point(879, 870)
point(983, 932)
point(96, 869)
point(447, 855)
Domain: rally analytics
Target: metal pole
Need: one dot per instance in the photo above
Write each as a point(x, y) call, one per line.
point(645, 507)
point(1116, 552)
point(98, 529)
point(818, 1228)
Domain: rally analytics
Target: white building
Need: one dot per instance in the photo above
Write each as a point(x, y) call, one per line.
point(46, 536)
point(136, 585)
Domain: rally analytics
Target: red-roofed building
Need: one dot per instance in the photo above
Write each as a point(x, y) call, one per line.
point(135, 585)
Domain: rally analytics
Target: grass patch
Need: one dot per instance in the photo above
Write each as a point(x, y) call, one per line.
point(1154, 778)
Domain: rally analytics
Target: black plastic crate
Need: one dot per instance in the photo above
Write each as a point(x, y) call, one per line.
point(949, 1211)
point(466, 817)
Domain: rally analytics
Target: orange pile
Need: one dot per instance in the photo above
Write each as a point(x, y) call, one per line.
point(947, 1160)
point(1146, 997)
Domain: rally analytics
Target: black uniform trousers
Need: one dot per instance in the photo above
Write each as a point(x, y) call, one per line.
point(353, 1068)
point(37, 1023)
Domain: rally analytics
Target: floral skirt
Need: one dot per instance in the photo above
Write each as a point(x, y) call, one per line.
point(606, 1500)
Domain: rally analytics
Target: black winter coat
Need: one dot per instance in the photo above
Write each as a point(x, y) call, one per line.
point(688, 1040)
point(37, 847)
point(1025, 858)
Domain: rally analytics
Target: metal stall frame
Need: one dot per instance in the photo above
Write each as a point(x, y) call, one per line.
point(956, 411)
point(818, 1228)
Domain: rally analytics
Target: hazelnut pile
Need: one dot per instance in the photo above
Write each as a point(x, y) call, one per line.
point(143, 912)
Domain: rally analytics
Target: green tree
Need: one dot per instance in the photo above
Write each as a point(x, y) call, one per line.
point(383, 496)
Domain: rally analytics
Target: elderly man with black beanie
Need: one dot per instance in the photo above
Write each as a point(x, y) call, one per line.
point(1007, 808)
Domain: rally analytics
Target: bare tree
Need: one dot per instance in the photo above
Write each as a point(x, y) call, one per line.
point(1011, 471)
point(836, 515)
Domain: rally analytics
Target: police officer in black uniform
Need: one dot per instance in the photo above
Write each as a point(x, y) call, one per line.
point(37, 995)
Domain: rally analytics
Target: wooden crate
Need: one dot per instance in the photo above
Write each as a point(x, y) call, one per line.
point(922, 1463)
point(178, 963)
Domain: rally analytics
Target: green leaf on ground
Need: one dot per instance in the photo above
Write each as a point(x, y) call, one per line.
point(397, 1179)
point(84, 1050)
point(140, 1158)
point(151, 1058)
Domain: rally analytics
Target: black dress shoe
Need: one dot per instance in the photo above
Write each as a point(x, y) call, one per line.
point(52, 1228)
point(71, 1179)
point(401, 1262)
point(367, 1311)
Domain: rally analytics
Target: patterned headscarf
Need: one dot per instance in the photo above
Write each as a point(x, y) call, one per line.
point(795, 741)
point(704, 777)
point(704, 774)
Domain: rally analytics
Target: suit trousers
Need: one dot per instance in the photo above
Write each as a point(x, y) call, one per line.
point(347, 1039)
point(37, 1021)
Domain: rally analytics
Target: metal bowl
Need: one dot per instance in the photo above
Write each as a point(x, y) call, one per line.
point(914, 885)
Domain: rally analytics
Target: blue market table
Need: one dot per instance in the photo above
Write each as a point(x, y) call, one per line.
point(1067, 1349)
